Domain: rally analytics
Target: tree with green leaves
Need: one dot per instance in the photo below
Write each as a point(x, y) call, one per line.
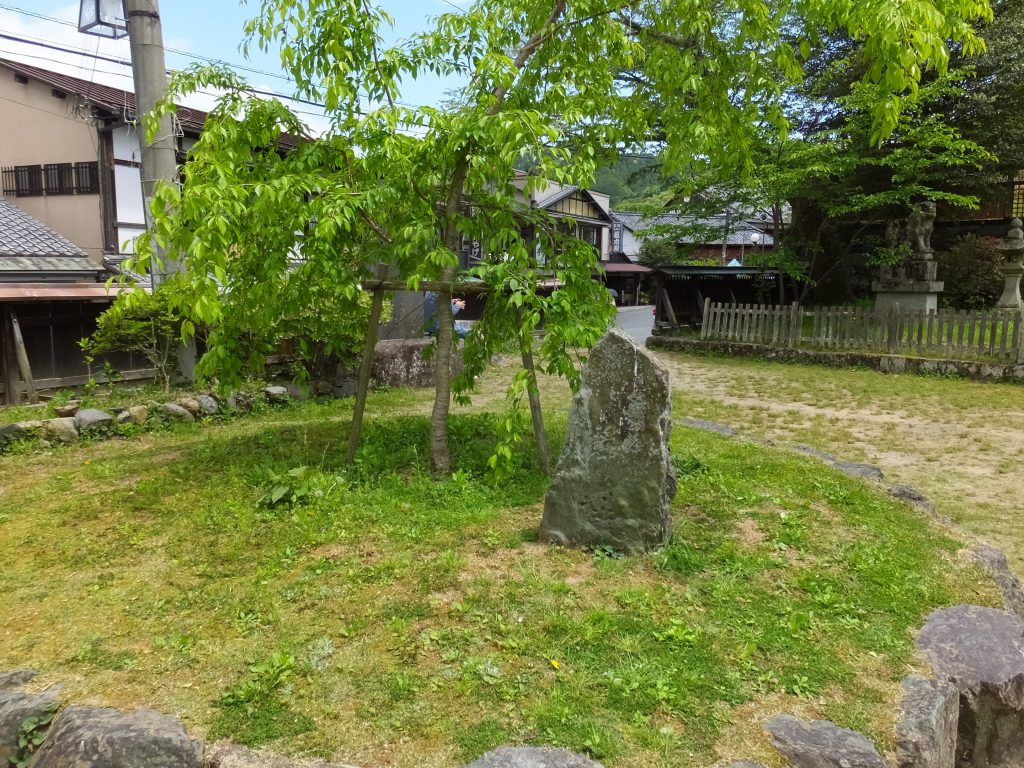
point(399, 188)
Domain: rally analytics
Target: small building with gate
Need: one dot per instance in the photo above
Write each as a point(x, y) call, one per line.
point(680, 291)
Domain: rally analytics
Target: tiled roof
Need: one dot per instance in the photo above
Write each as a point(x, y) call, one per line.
point(27, 245)
point(110, 99)
point(693, 230)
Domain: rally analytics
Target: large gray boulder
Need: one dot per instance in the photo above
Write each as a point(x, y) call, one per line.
point(981, 651)
point(62, 430)
point(615, 480)
point(926, 731)
point(821, 744)
point(15, 709)
point(92, 420)
point(276, 394)
point(93, 737)
point(532, 757)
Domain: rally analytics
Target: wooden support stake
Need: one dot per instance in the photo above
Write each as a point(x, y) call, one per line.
point(526, 349)
point(705, 319)
point(22, 354)
point(365, 368)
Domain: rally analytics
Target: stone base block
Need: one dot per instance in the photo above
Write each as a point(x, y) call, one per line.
point(402, 363)
point(915, 301)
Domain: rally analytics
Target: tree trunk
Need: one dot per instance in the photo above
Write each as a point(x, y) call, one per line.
point(536, 412)
point(440, 459)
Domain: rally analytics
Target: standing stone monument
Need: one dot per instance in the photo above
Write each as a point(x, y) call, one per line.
point(1012, 249)
point(911, 283)
point(615, 481)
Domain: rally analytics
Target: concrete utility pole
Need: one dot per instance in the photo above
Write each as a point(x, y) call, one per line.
point(159, 157)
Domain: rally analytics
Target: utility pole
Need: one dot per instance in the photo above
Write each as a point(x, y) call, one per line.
point(140, 21)
point(159, 156)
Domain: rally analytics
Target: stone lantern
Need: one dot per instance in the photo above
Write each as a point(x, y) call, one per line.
point(1012, 249)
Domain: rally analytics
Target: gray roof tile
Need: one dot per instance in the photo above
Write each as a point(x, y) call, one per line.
point(27, 245)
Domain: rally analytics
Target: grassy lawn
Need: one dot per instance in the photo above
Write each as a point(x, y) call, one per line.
point(385, 618)
point(959, 441)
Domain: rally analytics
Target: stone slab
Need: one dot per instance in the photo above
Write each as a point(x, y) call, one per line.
point(15, 709)
point(821, 744)
point(532, 757)
point(94, 737)
point(994, 561)
point(927, 726)
point(15, 678)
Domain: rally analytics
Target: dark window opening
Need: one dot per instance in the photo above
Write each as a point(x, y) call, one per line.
point(51, 179)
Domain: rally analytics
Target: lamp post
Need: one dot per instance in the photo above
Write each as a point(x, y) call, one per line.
point(139, 20)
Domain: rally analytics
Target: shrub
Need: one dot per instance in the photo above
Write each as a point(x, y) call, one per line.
point(970, 270)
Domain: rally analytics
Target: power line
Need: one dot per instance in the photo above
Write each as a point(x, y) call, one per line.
point(177, 51)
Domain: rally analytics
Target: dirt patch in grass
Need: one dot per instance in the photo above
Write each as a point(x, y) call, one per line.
point(957, 441)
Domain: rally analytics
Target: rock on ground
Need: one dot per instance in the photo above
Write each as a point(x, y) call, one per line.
point(981, 651)
point(241, 401)
point(821, 744)
point(176, 412)
point(994, 561)
point(926, 731)
point(70, 408)
point(139, 413)
point(93, 737)
point(190, 404)
point(276, 394)
point(92, 420)
point(208, 405)
point(15, 709)
point(532, 757)
point(615, 480)
point(62, 430)
point(15, 678)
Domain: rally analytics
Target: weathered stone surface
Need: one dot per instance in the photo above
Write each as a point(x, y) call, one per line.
point(981, 651)
point(224, 754)
point(62, 430)
point(298, 392)
point(926, 731)
point(190, 404)
point(124, 417)
point(615, 480)
point(15, 678)
point(19, 431)
point(175, 412)
point(208, 405)
point(400, 363)
point(139, 413)
point(532, 757)
point(15, 709)
point(865, 471)
point(240, 401)
point(276, 394)
point(994, 561)
point(710, 426)
point(821, 744)
point(92, 420)
point(92, 737)
point(853, 469)
point(806, 449)
point(70, 408)
point(911, 495)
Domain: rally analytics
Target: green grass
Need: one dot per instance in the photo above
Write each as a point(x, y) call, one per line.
point(388, 617)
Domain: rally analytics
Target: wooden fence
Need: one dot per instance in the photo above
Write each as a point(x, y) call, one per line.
point(997, 333)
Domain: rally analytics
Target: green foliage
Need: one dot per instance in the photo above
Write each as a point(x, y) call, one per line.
point(31, 734)
point(659, 251)
point(709, 87)
point(288, 487)
point(970, 271)
point(149, 324)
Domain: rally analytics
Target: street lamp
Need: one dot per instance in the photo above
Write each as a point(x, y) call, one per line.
point(103, 18)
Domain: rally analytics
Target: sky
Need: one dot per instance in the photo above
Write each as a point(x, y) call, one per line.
point(210, 28)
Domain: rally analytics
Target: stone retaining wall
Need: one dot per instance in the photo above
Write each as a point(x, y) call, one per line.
point(968, 369)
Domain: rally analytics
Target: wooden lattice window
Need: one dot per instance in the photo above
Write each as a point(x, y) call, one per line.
point(1017, 203)
point(59, 178)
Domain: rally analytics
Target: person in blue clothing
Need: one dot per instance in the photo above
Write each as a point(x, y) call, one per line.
point(431, 324)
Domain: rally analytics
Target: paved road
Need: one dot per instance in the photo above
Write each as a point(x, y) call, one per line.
point(636, 321)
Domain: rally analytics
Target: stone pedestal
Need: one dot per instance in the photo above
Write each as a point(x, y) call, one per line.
point(1012, 249)
point(911, 284)
point(1011, 288)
